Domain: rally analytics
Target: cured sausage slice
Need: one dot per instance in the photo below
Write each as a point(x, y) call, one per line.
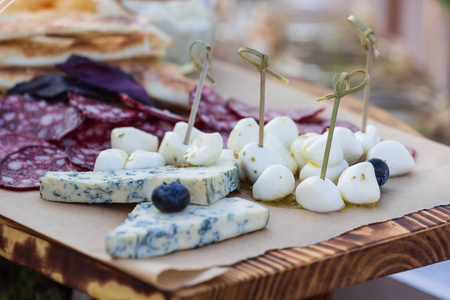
point(96, 110)
point(12, 141)
point(22, 169)
point(49, 121)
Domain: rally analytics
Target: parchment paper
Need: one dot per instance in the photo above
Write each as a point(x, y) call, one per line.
point(83, 226)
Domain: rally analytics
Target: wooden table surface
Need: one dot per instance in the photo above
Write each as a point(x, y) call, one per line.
point(366, 253)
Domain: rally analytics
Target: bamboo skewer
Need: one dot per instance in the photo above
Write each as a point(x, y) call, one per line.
point(262, 68)
point(341, 89)
point(203, 68)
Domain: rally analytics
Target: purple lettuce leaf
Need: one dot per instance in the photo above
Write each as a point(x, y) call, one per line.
point(107, 77)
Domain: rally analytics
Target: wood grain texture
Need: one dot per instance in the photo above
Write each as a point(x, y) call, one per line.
point(357, 256)
point(69, 267)
point(360, 255)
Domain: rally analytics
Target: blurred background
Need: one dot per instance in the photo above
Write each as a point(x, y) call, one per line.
point(308, 40)
point(311, 40)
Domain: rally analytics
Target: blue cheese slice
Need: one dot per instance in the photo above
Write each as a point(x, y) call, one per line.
point(206, 184)
point(148, 232)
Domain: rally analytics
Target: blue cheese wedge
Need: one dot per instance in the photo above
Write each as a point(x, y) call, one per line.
point(148, 232)
point(206, 184)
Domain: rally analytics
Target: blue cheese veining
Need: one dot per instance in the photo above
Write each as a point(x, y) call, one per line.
point(148, 232)
point(206, 185)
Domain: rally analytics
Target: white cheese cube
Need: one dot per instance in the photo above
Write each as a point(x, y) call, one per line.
point(351, 147)
point(148, 232)
point(173, 149)
point(204, 150)
point(283, 128)
point(110, 160)
point(245, 132)
point(254, 160)
point(181, 128)
point(288, 161)
point(333, 173)
point(318, 195)
point(275, 183)
point(358, 184)
point(141, 159)
point(227, 155)
point(396, 156)
point(368, 139)
point(314, 152)
point(131, 139)
point(299, 146)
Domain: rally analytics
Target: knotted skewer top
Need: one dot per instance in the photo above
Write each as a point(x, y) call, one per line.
point(263, 65)
point(366, 34)
point(195, 57)
point(342, 85)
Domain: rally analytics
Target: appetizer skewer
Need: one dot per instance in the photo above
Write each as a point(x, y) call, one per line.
point(369, 43)
point(203, 69)
point(320, 194)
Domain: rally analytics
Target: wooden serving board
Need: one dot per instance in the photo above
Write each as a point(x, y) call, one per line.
point(357, 256)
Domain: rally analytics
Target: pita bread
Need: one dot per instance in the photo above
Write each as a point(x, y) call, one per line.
point(163, 81)
point(37, 42)
point(9, 77)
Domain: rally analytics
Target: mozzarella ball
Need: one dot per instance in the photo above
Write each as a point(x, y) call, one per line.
point(396, 156)
point(172, 148)
point(333, 173)
point(318, 195)
point(245, 132)
point(299, 145)
point(358, 184)
point(275, 183)
point(368, 139)
point(254, 160)
point(131, 139)
point(315, 152)
point(351, 147)
point(181, 128)
point(226, 155)
point(204, 150)
point(110, 160)
point(288, 161)
point(141, 159)
point(284, 128)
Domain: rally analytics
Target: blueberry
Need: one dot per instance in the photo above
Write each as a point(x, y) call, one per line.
point(381, 170)
point(172, 197)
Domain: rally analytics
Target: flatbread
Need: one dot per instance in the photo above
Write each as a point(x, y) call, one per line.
point(163, 81)
point(9, 77)
point(38, 42)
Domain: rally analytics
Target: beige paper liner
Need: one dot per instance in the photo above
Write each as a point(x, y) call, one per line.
point(83, 226)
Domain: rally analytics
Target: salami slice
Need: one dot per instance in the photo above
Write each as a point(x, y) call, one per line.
point(91, 132)
point(96, 110)
point(85, 155)
point(213, 114)
point(22, 169)
point(12, 141)
point(49, 121)
point(157, 128)
point(84, 144)
point(162, 114)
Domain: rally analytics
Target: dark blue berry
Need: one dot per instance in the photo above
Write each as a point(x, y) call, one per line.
point(172, 197)
point(381, 170)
